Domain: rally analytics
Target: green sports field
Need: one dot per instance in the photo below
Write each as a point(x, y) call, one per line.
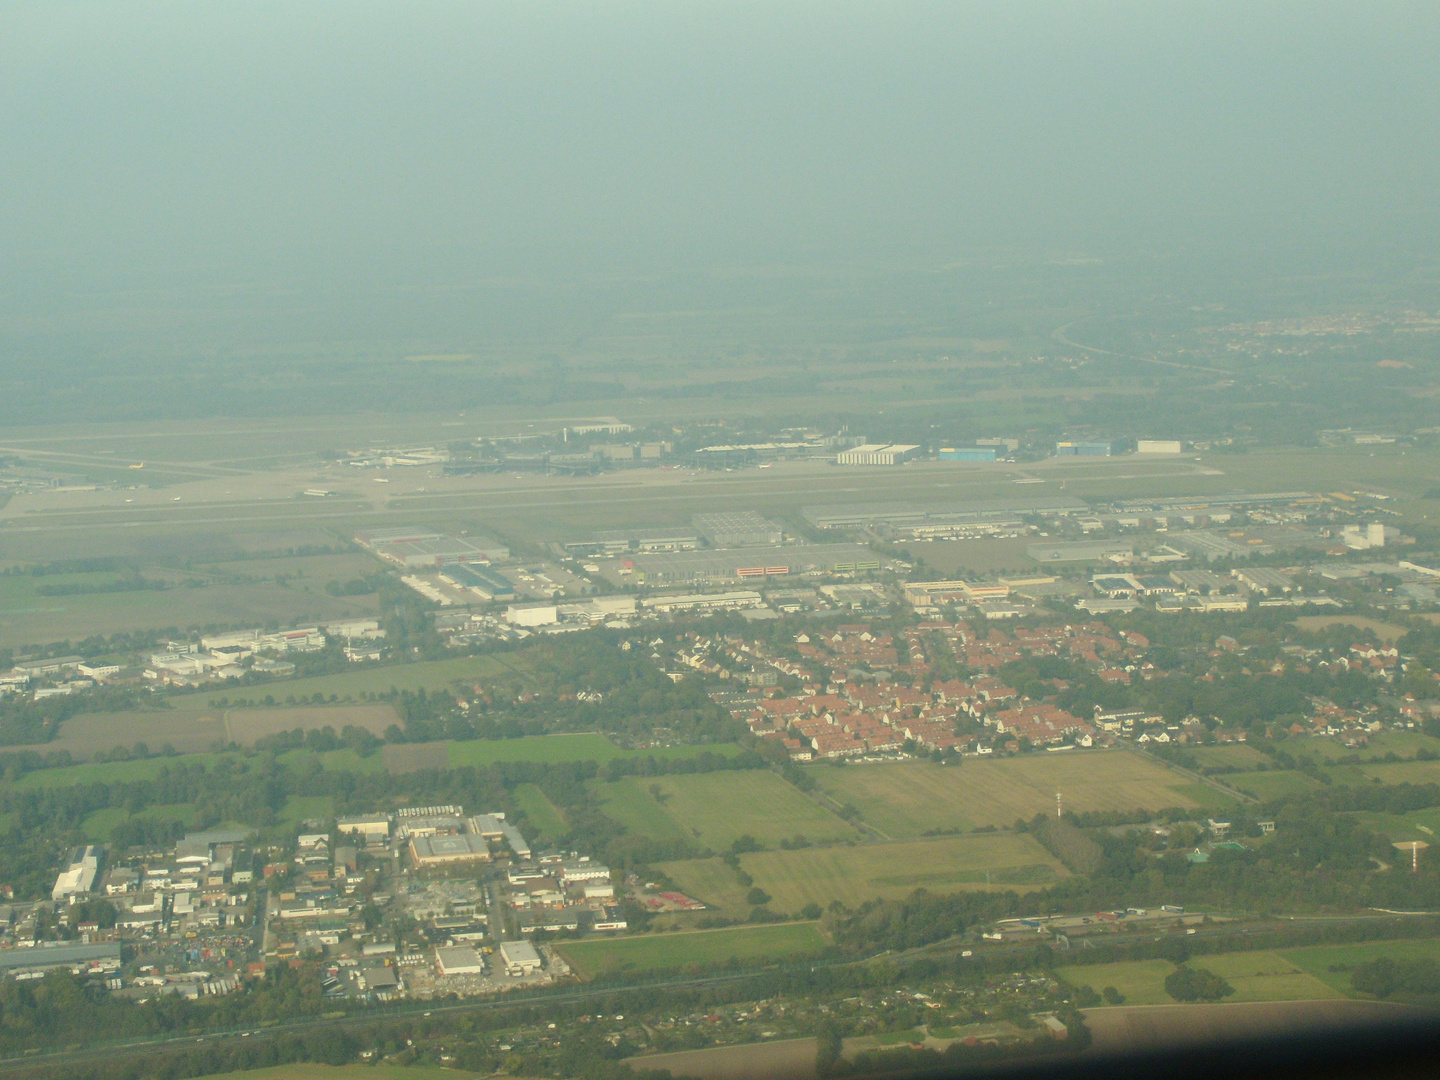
point(906, 799)
point(749, 946)
point(856, 873)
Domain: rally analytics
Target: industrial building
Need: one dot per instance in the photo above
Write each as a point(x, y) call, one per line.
point(619, 541)
point(930, 593)
point(444, 850)
point(519, 957)
point(485, 583)
point(738, 529)
point(979, 514)
point(705, 602)
point(1263, 579)
point(1213, 547)
point(1089, 449)
point(79, 878)
point(373, 827)
point(440, 552)
point(1181, 504)
point(698, 567)
point(968, 453)
point(877, 454)
point(459, 960)
point(1080, 551)
point(1158, 446)
point(532, 615)
point(46, 956)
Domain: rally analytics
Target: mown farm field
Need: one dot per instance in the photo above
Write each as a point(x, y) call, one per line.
point(909, 799)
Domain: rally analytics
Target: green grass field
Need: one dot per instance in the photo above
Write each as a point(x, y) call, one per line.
point(110, 772)
point(543, 818)
point(1234, 754)
point(750, 946)
point(905, 799)
point(1266, 976)
point(1420, 825)
point(1400, 772)
point(1205, 797)
point(1273, 785)
point(334, 761)
point(1141, 981)
point(629, 802)
point(551, 748)
point(1318, 960)
point(98, 826)
point(715, 809)
point(427, 674)
point(307, 807)
point(1256, 976)
point(854, 874)
point(1404, 743)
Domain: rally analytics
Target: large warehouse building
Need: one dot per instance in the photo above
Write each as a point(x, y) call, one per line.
point(444, 850)
point(877, 454)
point(459, 960)
point(698, 567)
point(740, 529)
point(417, 548)
point(976, 513)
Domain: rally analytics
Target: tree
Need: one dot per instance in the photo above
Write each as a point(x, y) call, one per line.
point(1187, 983)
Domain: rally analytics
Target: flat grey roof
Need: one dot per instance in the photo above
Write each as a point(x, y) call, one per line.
point(57, 955)
point(902, 514)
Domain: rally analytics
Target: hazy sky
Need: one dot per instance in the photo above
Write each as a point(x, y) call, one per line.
point(351, 138)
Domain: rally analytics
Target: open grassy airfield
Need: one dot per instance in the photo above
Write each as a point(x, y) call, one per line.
point(856, 873)
point(912, 798)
